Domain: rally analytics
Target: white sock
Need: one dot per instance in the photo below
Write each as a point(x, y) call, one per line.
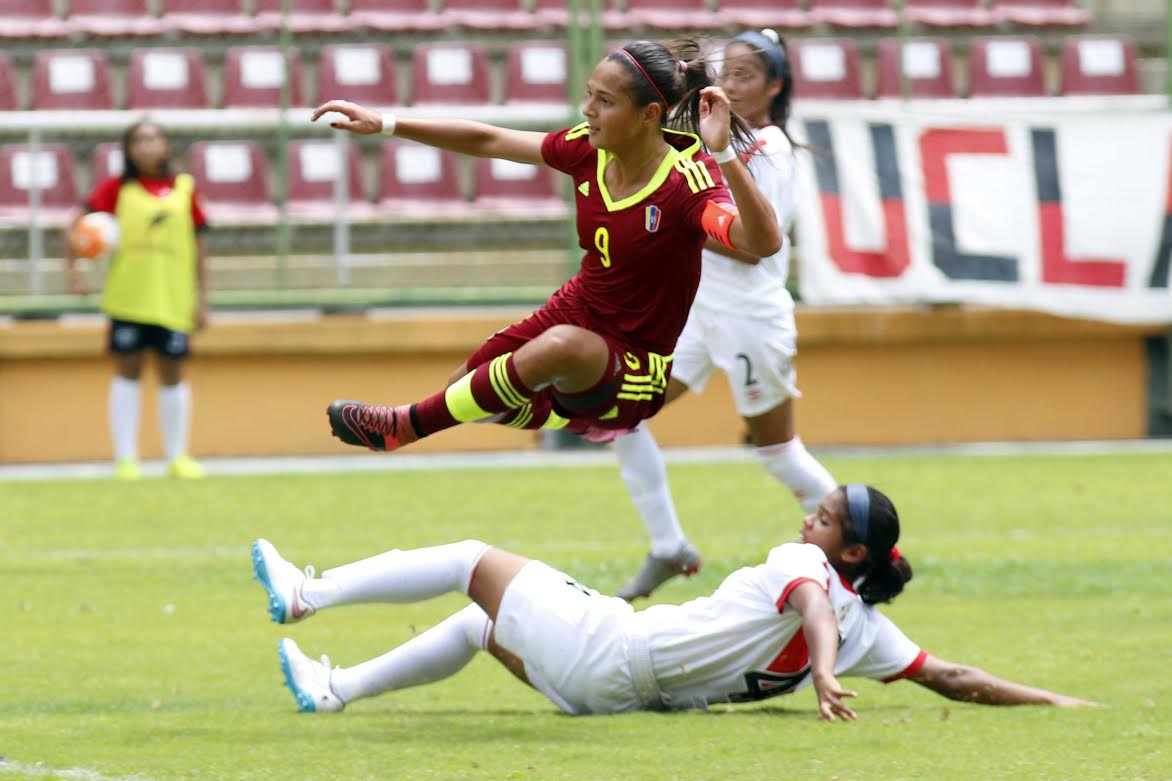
point(793, 465)
point(439, 652)
point(397, 576)
point(124, 395)
point(641, 465)
point(175, 418)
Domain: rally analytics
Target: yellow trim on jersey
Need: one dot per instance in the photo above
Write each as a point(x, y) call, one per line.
point(671, 160)
point(577, 131)
point(555, 421)
point(614, 413)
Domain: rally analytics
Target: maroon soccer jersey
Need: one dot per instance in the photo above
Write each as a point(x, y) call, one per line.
point(642, 262)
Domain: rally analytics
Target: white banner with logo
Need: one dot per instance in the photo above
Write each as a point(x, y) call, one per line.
point(1059, 206)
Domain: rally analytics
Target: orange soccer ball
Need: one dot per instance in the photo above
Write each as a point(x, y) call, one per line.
point(94, 236)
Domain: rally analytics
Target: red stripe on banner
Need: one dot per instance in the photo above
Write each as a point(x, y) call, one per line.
point(1060, 269)
point(937, 145)
point(886, 264)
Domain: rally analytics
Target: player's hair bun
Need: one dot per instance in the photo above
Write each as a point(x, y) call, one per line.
point(771, 34)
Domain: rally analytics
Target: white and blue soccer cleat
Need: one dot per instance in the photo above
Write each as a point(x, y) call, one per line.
point(308, 680)
point(283, 581)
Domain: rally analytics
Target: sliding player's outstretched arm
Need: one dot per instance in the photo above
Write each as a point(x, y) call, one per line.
point(820, 628)
point(458, 135)
point(972, 684)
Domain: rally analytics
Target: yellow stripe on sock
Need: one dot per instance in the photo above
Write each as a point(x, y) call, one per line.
point(498, 375)
point(461, 403)
point(555, 421)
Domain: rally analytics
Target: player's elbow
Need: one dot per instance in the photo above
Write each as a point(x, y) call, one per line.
point(765, 243)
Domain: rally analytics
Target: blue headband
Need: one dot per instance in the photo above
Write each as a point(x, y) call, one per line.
point(771, 50)
point(858, 507)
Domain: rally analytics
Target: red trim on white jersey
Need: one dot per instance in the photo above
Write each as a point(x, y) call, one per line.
point(789, 589)
point(911, 669)
point(794, 658)
point(832, 572)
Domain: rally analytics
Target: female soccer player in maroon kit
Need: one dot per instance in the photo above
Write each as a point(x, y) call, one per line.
point(598, 353)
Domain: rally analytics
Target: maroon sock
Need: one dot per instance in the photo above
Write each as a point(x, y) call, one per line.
point(491, 388)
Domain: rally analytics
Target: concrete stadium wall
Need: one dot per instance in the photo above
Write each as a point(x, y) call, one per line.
point(261, 383)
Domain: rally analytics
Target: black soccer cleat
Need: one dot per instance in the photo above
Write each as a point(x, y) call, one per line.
point(371, 426)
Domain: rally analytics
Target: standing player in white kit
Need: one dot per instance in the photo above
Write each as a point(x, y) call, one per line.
point(742, 323)
point(803, 617)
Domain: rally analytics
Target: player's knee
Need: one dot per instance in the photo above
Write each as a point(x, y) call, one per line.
point(570, 344)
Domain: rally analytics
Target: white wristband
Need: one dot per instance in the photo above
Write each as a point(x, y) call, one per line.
point(726, 155)
point(388, 125)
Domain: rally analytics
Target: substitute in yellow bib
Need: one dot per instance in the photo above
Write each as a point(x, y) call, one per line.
point(155, 291)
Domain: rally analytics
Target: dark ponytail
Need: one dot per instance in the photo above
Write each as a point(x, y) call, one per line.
point(881, 576)
point(657, 77)
point(773, 55)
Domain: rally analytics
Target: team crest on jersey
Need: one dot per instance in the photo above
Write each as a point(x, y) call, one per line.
point(651, 217)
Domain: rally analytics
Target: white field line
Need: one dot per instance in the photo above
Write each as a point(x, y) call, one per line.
point(38, 770)
point(568, 459)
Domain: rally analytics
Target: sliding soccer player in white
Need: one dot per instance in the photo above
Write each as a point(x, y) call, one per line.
point(804, 617)
point(742, 322)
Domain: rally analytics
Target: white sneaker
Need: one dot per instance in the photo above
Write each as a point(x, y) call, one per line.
point(308, 680)
point(283, 582)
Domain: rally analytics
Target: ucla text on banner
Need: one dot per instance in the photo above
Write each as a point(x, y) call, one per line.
point(1063, 207)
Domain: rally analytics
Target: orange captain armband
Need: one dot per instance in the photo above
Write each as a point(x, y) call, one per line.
point(717, 221)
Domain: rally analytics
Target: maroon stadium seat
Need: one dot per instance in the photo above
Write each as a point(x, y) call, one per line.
point(826, 68)
point(68, 79)
point(167, 78)
point(112, 18)
point(253, 76)
point(1006, 67)
point(312, 167)
point(51, 170)
point(535, 72)
point(551, 13)
point(364, 73)
point(107, 161)
point(207, 17)
point(927, 62)
point(7, 84)
point(1041, 13)
point(488, 15)
point(305, 16)
point(417, 180)
point(519, 189)
point(756, 14)
point(30, 20)
point(1099, 65)
point(854, 14)
point(449, 73)
point(666, 15)
point(949, 13)
point(394, 16)
point(233, 181)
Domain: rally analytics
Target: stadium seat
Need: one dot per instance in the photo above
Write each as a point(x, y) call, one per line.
point(167, 78)
point(394, 16)
point(417, 180)
point(1041, 13)
point(30, 20)
point(364, 73)
point(1099, 65)
point(535, 72)
point(8, 98)
point(449, 73)
point(112, 18)
point(1006, 67)
point(107, 161)
point(207, 17)
point(927, 63)
point(70, 79)
point(232, 180)
point(854, 14)
point(662, 15)
point(316, 17)
point(253, 76)
point(551, 13)
point(312, 167)
point(499, 15)
point(517, 189)
point(51, 170)
point(755, 14)
point(949, 13)
point(827, 68)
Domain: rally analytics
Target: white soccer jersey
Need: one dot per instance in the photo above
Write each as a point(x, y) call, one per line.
point(727, 285)
point(743, 644)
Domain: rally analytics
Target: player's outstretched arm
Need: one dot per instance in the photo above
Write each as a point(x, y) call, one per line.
point(820, 628)
point(755, 230)
point(972, 684)
point(459, 135)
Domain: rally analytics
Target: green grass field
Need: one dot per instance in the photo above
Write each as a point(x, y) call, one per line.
point(135, 644)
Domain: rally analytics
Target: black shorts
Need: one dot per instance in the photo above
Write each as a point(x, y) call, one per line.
point(127, 337)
